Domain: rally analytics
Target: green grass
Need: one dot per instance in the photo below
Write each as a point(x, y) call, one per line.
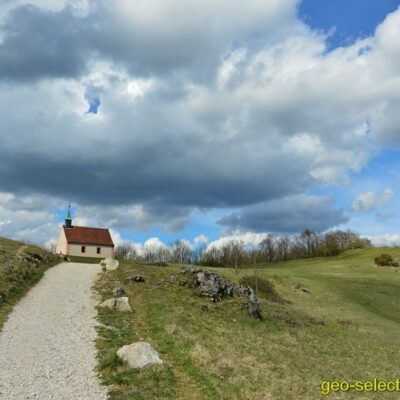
point(18, 273)
point(216, 351)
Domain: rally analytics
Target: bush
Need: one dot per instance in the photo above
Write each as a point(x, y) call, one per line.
point(263, 288)
point(385, 260)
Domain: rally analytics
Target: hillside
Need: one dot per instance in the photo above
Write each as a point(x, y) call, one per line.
point(21, 266)
point(343, 326)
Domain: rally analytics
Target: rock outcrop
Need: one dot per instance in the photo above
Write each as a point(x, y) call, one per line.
point(139, 355)
point(135, 278)
point(216, 287)
point(117, 304)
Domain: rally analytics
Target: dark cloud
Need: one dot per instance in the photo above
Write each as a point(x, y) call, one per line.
point(195, 113)
point(288, 215)
point(145, 39)
point(39, 43)
point(153, 175)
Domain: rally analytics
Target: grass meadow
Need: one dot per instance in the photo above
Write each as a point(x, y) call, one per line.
point(344, 326)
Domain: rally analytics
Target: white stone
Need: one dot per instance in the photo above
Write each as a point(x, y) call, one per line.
point(139, 355)
point(111, 264)
point(118, 304)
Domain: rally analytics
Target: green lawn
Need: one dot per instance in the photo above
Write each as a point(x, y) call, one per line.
point(216, 351)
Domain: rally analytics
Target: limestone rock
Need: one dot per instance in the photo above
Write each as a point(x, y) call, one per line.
point(135, 278)
point(216, 287)
point(111, 264)
point(139, 355)
point(118, 304)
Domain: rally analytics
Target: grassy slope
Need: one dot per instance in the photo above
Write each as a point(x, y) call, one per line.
point(17, 275)
point(221, 353)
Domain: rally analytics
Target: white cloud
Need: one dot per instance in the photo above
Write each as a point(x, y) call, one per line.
point(385, 240)
point(249, 239)
point(155, 242)
point(201, 239)
point(370, 201)
point(203, 105)
point(28, 217)
point(116, 237)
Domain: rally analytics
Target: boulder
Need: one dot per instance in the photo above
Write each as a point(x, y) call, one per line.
point(111, 264)
point(118, 304)
point(139, 355)
point(216, 287)
point(118, 292)
point(135, 278)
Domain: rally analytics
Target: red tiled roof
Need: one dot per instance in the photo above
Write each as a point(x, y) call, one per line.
point(84, 235)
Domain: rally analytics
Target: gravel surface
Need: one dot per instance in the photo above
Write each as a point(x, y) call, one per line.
point(47, 346)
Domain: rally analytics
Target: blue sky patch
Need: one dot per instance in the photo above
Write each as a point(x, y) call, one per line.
point(346, 20)
point(94, 104)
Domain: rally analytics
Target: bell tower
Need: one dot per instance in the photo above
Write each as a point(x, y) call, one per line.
point(68, 219)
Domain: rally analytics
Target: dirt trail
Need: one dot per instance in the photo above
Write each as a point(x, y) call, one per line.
point(47, 346)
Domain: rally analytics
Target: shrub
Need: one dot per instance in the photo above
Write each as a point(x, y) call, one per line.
point(385, 260)
point(262, 287)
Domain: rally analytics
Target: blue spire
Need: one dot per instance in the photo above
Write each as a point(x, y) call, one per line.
point(69, 212)
point(68, 219)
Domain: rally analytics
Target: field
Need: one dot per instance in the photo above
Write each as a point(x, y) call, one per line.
point(21, 266)
point(344, 326)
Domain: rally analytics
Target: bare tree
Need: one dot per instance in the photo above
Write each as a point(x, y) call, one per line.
point(198, 253)
point(181, 252)
point(126, 251)
point(267, 247)
point(122, 250)
point(211, 256)
point(282, 247)
point(236, 253)
point(156, 253)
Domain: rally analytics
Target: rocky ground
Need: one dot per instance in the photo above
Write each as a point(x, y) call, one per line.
point(215, 287)
point(47, 345)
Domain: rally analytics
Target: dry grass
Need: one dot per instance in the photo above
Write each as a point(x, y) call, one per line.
point(21, 266)
point(346, 327)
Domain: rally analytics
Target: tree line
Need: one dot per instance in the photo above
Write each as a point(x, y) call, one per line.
point(234, 252)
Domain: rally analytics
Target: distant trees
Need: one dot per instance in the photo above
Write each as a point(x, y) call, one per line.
point(234, 253)
point(181, 252)
point(282, 248)
point(156, 252)
point(126, 251)
point(268, 248)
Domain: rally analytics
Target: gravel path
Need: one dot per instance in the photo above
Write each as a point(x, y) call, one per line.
point(46, 346)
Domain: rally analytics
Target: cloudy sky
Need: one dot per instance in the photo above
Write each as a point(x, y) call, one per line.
point(199, 119)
